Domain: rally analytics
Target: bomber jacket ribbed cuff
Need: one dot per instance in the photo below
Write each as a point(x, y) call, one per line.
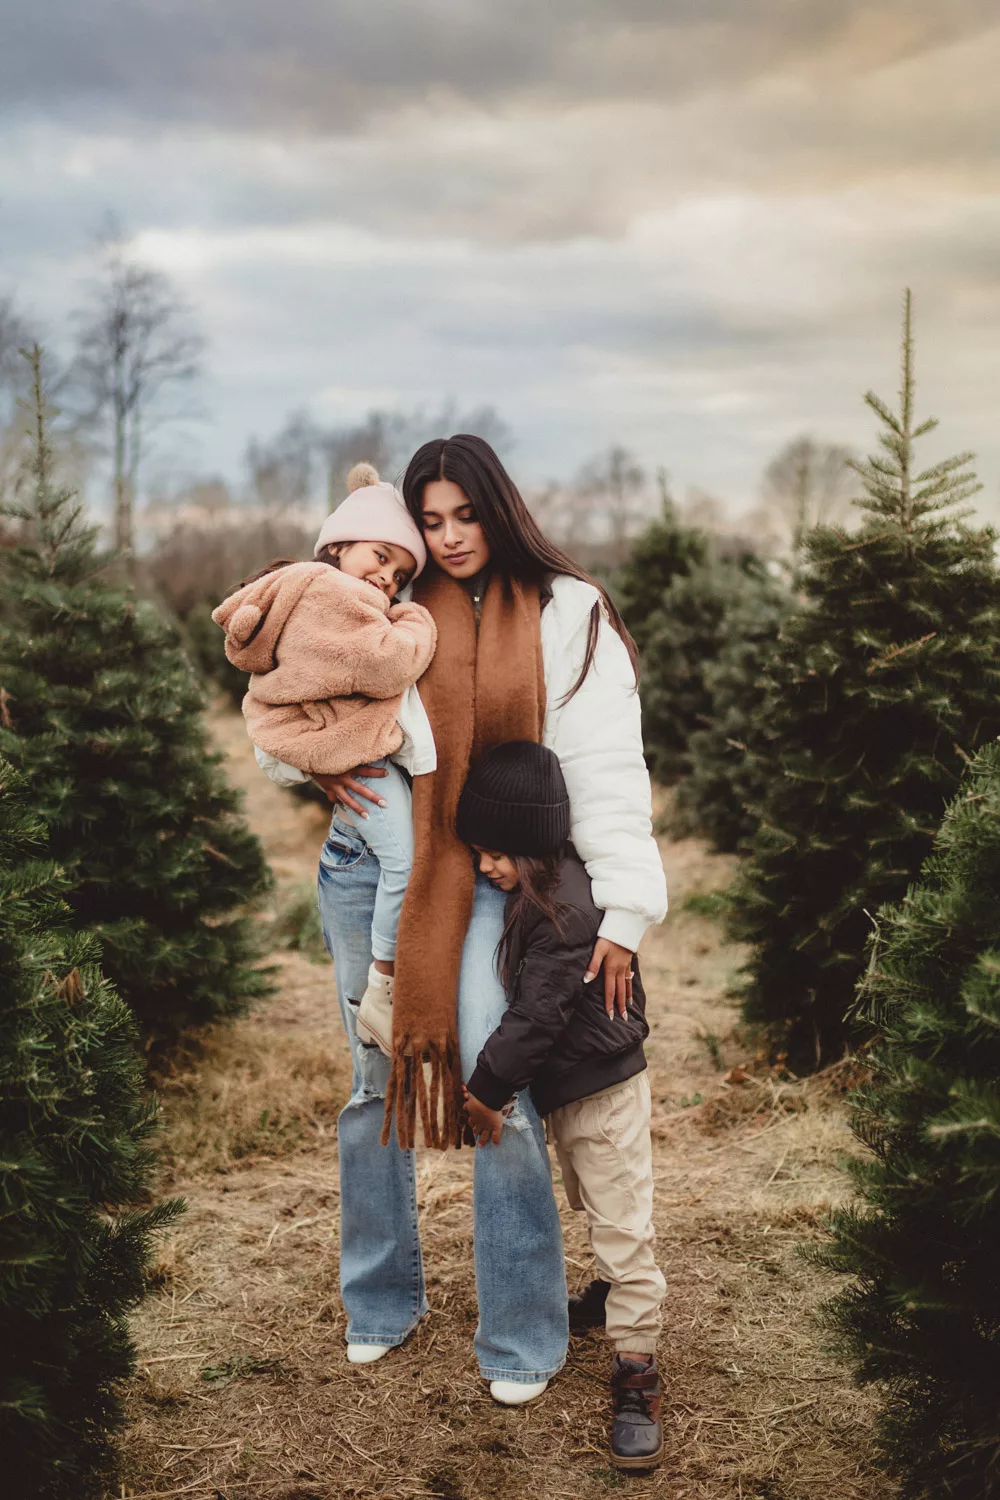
point(488, 1089)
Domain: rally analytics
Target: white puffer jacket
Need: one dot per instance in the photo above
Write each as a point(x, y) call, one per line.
point(597, 736)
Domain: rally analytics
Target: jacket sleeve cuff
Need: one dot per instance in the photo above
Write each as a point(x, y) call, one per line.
point(623, 927)
point(488, 1089)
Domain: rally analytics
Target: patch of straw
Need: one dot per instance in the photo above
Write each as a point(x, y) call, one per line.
point(249, 1091)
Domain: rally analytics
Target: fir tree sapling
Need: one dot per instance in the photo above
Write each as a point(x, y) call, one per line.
point(922, 1317)
point(883, 686)
point(717, 797)
point(201, 638)
point(102, 712)
point(674, 593)
point(73, 1163)
point(667, 549)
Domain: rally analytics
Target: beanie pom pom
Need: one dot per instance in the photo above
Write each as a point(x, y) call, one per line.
point(361, 476)
point(244, 623)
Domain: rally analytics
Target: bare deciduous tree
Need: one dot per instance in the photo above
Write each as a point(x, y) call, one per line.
point(136, 345)
point(551, 504)
point(388, 440)
point(610, 490)
point(383, 438)
point(809, 483)
point(280, 470)
point(14, 336)
point(705, 511)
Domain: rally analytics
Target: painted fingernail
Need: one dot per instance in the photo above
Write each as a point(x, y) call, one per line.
point(588, 977)
point(365, 816)
point(381, 803)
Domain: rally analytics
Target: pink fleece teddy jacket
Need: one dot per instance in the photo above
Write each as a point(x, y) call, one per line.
point(331, 659)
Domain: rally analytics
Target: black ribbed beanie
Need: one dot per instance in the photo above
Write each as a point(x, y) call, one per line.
point(515, 801)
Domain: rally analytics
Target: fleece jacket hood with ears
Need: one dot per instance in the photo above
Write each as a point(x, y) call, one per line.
point(331, 660)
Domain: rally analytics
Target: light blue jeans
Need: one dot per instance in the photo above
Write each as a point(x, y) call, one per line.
point(388, 832)
point(520, 1273)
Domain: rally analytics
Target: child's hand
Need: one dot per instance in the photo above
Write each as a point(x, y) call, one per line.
point(486, 1123)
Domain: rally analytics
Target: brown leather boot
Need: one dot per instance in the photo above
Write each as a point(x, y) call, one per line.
point(636, 1429)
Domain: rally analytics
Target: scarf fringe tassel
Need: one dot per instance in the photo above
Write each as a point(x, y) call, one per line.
point(424, 1078)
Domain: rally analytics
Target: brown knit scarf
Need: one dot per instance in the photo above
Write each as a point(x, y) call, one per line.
point(478, 691)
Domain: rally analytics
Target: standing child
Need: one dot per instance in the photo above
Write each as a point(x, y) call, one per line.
point(334, 663)
point(585, 1067)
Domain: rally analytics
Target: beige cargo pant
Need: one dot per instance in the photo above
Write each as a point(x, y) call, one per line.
point(605, 1153)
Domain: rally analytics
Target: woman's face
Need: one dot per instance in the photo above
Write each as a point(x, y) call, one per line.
point(454, 537)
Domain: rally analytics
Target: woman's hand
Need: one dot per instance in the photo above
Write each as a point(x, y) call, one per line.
point(486, 1123)
point(340, 788)
point(617, 962)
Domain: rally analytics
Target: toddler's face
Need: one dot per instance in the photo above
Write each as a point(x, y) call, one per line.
point(499, 868)
point(384, 564)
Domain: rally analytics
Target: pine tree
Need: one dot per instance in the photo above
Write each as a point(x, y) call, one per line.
point(683, 638)
point(73, 1163)
point(884, 685)
point(201, 638)
point(666, 550)
point(723, 783)
point(100, 709)
point(922, 1318)
point(661, 559)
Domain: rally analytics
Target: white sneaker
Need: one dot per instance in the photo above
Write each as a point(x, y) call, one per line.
point(366, 1354)
point(516, 1392)
point(373, 1021)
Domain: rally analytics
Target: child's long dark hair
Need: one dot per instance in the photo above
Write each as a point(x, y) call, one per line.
point(538, 879)
point(331, 555)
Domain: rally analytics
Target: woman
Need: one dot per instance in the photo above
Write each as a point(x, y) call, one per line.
point(528, 647)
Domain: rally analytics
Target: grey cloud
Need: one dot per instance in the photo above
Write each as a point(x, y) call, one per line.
point(494, 170)
point(319, 65)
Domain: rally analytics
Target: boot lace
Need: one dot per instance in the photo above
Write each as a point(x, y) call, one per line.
point(635, 1401)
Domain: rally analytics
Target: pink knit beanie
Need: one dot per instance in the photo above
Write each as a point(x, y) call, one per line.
point(373, 512)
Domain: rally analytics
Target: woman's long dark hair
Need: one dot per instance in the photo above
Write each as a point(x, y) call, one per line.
point(517, 543)
point(538, 879)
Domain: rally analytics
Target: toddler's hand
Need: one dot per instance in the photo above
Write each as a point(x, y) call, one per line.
point(486, 1123)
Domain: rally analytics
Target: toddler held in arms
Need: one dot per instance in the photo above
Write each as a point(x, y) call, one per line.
point(585, 1068)
point(334, 662)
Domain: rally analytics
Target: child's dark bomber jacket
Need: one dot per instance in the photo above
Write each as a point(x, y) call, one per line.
point(555, 1034)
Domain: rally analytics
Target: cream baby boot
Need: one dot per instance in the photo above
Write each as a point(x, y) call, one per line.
point(374, 1018)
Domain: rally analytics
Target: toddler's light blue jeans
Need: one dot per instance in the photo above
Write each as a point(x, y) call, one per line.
point(388, 832)
point(520, 1274)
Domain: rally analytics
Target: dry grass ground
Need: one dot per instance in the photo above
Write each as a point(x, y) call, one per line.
point(243, 1391)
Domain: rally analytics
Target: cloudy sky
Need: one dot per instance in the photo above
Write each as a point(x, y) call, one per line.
point(684, 225)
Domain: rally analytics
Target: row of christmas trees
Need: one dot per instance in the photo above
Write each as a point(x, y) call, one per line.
point(822, 726)
point(819, 722)
point(125, 871)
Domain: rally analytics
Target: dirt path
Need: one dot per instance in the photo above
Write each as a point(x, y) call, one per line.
point(244, 1390)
